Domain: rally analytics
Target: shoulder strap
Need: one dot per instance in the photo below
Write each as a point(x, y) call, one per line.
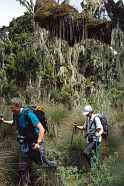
point(93, 122)
point(27, 119)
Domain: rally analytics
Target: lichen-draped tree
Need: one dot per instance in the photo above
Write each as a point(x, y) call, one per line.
point(50, 15)
point(64, 21)
point(116, 12)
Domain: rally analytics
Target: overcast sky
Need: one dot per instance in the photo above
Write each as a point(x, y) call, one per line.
point(10, 9)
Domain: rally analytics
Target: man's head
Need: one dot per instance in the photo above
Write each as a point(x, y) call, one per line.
point(87, 110)
point(16, 105)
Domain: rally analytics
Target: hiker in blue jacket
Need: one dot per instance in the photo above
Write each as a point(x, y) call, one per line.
point(30, 134)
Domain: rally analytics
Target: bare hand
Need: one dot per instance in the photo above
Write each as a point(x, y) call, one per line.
point(80, 127)
point(36, 146)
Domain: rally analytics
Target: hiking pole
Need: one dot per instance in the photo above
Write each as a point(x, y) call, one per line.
point(97, 148)
point(73, 132)
point(95, 158)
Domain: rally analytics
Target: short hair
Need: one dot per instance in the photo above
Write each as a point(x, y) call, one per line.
point(16, 101)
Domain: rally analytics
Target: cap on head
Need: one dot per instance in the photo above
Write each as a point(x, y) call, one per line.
point(87, 109)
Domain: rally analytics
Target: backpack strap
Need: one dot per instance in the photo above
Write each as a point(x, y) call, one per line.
point(93, 123)
point(25, 112)
point(29, 130)
point(27, 119)
point(40, 115)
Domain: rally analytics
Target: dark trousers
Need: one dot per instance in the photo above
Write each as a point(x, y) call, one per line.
point(27, 154)
point(90, 148)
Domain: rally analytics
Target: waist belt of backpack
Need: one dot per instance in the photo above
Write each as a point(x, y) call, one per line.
point(21, 139)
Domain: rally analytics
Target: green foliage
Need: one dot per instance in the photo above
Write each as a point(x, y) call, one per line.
point(22, 24)
point(116, 96)
point(70, 176)
point(67, 156)
point(45, 177)
point(64, 96)
point(18, 55)
point(56, 114)
point(117, 173)
point(9, 89)
point(101, 174)
point(8, 155)
point(27, 62)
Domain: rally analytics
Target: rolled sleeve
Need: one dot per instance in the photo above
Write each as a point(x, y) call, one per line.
point(98, 123)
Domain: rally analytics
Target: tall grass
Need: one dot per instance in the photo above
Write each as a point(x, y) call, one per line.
point(56, 114)
point(67, 155)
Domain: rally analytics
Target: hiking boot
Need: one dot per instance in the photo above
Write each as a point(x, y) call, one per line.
point(49, 164)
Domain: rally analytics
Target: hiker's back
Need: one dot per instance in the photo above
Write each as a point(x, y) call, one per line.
point(39, 112)
point(104, 123)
